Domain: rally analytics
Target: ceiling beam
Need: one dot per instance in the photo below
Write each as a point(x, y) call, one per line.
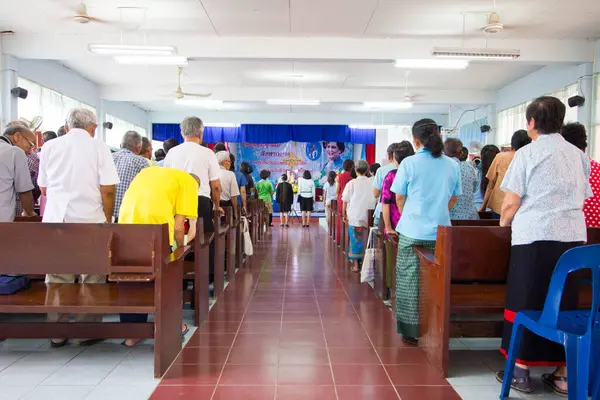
point(335, 95)
point(63, 46)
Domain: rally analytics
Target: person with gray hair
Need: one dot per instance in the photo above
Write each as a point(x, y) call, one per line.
point(81, 118)
point(192, 157)
point(129, 163)
point(78, 177)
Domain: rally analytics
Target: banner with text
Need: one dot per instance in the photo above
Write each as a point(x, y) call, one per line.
point(293, 158)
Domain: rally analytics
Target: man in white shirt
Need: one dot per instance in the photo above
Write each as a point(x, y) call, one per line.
point(78, 176)
point(230, 190)
point(192, 157)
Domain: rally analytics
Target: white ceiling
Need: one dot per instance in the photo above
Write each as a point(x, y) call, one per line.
point(246, 51)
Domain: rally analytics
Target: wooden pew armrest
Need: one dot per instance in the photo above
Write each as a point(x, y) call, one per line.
point(425, 255)
point(207, 238)
point(178, 254)
point(224, 229)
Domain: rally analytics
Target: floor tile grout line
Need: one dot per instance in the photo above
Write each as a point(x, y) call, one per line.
point(363, 327)
point(241, 322)
point(326, 344)
point(281, 321)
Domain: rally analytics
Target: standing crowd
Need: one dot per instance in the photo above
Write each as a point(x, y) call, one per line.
point(545, 188)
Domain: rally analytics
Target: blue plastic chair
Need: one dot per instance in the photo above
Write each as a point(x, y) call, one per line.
point(578, 331)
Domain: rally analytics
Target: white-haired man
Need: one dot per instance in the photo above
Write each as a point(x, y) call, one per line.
point(78, 176)
point(129, 163)
point(192, 157)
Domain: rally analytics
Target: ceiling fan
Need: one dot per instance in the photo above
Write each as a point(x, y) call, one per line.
point(80, 14)
point(180, 94)
point(408, 97)
point(494, 24)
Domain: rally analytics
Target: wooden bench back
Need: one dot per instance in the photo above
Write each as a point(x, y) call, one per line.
point(474, 253)
point(475, 222)
point(101, 249)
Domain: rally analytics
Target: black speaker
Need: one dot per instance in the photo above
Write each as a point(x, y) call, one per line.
point(107, 125)
point(485, 128)
point(19, 92)
point(576, 101)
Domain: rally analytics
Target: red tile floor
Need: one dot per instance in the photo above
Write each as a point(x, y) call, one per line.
point(299, 325)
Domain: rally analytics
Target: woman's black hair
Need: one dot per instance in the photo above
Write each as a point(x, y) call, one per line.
point(159, 155)
point(353, 173)
point(246, 168)
point(265, 174)
point(427, 132)
point(464, 154)
point(521, 139)
point(331, 177)
point(348, 165)
point(548, 113)
point(373, 168)
point(403, 152)
point(575, 134)
point(307, 174)
point(340, 145)
point(284, 177)
point(488, 153)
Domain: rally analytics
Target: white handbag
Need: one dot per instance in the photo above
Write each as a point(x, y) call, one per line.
point(367, 272)
point(248, 249)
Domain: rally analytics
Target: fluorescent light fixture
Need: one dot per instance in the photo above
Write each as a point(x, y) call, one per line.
point(367, 126)
point(151, 60)
point(199, 103)
point(431, 64)
point(296, 102)
point(222, 125)
point(388, 105)
point(130, 50)
point(461, 52)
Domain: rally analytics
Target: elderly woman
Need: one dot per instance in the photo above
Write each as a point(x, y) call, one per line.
point(358, 199)
point(546, 185)
point(465, 206)
point(427, 186)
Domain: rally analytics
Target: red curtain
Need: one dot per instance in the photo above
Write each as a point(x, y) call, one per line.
point(370, 153)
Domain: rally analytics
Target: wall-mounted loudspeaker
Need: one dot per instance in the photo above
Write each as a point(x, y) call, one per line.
point(19, 92)
point(107, 125)
point(576, 101)
point(485, 128)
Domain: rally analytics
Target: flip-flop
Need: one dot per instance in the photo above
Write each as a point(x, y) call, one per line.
point(56, 345)
point(124, 343)
point(550, 379)
point(185, 331)
point(522, 385)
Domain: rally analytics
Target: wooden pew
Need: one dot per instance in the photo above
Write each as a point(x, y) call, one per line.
point(221, 232)
point(124, 253)
point(379, 282)
point(466, 277)
point(230, 243)
point(334, 220)
point(198, 271)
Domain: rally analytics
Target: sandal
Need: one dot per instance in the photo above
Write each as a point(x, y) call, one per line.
point(124, 343)
point(56, 345)
point(411, 341)
point(550, 379)
point(522, 385)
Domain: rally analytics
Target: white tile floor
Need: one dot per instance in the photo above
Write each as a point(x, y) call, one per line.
point(32, 370)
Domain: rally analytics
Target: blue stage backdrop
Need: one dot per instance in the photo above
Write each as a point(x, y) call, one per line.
point(272, 134)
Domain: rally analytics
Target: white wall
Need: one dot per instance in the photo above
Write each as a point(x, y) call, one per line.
point(59, 78)
point(547, 80)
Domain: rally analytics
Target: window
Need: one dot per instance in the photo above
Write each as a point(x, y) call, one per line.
point(115, 135)
point(513, 119)
point(52, 106)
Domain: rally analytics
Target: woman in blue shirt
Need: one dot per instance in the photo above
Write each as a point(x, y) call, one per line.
point(426, 185)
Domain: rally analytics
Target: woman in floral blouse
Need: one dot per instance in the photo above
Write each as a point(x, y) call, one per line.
point(389, 209)
point(465, 206)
